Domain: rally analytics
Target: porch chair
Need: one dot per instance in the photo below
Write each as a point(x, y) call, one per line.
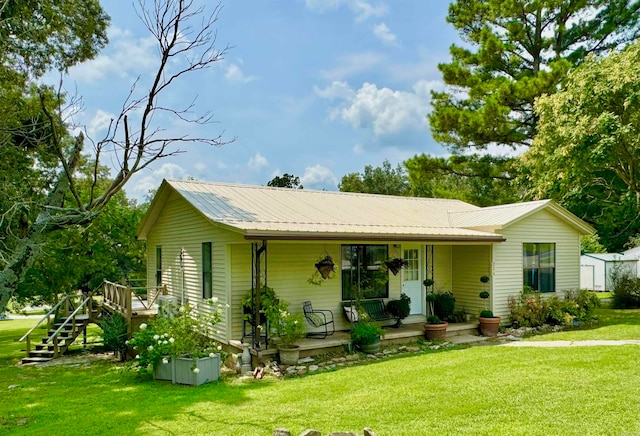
point(318, 318)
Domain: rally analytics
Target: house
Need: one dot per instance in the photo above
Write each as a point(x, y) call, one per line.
point(597, 269)
point(214, 239)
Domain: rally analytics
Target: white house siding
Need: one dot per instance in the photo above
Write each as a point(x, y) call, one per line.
point(470, 262)
point(180, 226)
point(541, 227)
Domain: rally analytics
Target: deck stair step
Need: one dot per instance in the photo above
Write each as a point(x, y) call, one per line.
point(44, 351)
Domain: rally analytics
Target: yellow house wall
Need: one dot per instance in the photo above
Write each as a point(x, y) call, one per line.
point(180, 226)
point(470, 262)
point(542, 227)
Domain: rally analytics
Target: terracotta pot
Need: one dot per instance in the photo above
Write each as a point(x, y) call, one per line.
point(489, 326)
point(435, 332)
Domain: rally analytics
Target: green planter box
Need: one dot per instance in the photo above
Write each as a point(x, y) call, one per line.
point(208, 370)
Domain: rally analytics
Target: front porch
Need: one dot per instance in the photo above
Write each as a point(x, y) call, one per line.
point(457, 333)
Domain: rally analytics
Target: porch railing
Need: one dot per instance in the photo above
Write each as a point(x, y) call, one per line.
point(65, 301)
point(121, 298)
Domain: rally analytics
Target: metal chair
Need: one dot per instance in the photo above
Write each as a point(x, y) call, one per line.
point(318, 318)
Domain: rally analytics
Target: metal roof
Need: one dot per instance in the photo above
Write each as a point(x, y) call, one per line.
point(281, 213)
point(612, 257)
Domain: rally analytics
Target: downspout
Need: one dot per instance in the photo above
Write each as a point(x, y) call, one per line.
point(182, 276)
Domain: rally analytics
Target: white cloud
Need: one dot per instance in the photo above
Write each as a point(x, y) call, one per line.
point(234, 74)
point(99, 123)
point(384, 110)
point(337, 90)
point(363, 10)
point(318, 175)
point(353, 64)
point(358, 149)
point(384, 34)
point(258, 161)
point(123, 56)
point(140, 185)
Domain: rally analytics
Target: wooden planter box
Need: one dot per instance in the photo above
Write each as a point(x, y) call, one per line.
point(208, 370)
point(163, 371)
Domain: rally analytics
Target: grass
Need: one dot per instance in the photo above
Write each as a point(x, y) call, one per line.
point(479, 390)
point(612, 324)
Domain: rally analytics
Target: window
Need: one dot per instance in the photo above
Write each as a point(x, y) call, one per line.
point(539, 266)
point(206, 270)
point(158, 265)
point(361, 271)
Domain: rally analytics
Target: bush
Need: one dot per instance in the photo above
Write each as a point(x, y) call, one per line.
point(114, 334)
point(531, 310)
point(401, 308)
point(365, 333)
point(444, 305)
point(626, 292)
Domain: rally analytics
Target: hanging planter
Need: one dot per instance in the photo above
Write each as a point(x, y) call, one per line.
point(396, 264)
point(326, 267)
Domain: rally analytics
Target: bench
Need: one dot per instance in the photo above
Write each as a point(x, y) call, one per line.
point(375, 308)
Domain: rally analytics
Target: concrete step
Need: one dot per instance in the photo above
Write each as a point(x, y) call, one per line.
point(31, 360)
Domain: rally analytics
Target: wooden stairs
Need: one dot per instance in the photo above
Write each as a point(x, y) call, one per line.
point(53, 346)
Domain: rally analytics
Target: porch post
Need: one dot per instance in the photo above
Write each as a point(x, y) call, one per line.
point(257, 293)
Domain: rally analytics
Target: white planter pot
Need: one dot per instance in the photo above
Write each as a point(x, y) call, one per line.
point(208, 370)
point(289, 356)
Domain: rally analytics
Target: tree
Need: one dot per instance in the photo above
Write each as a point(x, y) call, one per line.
point(514, 52)
point(286, 181)
point(481, 180)
point(185, 37)
point(381, 180)
point(587, 151)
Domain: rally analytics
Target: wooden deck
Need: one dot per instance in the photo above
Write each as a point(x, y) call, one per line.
point(340, 340)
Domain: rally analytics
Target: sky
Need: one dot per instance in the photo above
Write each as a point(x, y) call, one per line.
point(314, 88)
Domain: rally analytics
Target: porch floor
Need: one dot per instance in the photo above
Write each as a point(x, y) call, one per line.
point(457, 333)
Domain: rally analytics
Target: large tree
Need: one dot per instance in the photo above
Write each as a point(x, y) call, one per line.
point(481, 180)
point(587, 151)
point(380, 180)
point(186, 38)
point(513, 52)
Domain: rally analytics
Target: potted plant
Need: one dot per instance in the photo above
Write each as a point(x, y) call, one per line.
point(435, 329)
point(400, 309)
point(487, 322)
point(325, 266)
point(365, 336)
point(396, 264)
point(289, 328)
point(444, 303)
point(176, 348)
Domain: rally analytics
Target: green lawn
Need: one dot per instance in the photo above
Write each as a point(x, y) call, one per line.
point(479, 390)
point(612, 324)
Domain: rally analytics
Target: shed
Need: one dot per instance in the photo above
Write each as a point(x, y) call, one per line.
point(597, 269)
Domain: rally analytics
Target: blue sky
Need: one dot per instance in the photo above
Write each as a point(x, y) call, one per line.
point(315, 88)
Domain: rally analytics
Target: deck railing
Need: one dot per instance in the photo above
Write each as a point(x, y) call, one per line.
point(121, 298)
point(65, 301)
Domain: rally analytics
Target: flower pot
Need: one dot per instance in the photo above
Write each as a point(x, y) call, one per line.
point(489, 326)
point(196, 371)
point(289, 356)
point(435, 332)
point(370, 348)
point(325, 267)
point(163, 371)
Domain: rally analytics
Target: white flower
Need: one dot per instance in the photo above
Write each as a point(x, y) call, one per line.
point(165, 360)
point(143, 326)
point(159, 342)
point(219, 347)
point(171, 340)
point(214, 299)
point(126, 342)
point(150, 347)
point(164, 342)
point(212, 355)
point(196, 370)
point(156, 337)
point(137, 356)
point(181, 309)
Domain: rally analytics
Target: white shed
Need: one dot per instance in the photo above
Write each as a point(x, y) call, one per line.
point(596, 269)
point(635, 253)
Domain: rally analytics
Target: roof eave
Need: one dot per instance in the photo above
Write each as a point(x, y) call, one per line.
point(318, 236)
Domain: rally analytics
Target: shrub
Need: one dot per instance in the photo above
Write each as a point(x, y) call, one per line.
point(444, 305)
point(528, 310)
point(114, 334)
point(365, 333)
point(401, 308)
point(626, 292)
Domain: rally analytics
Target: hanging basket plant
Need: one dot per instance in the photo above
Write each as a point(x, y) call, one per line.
point(396, 264)
point(325, 267)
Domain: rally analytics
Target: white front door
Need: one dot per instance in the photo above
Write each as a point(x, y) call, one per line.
point(411, 283)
